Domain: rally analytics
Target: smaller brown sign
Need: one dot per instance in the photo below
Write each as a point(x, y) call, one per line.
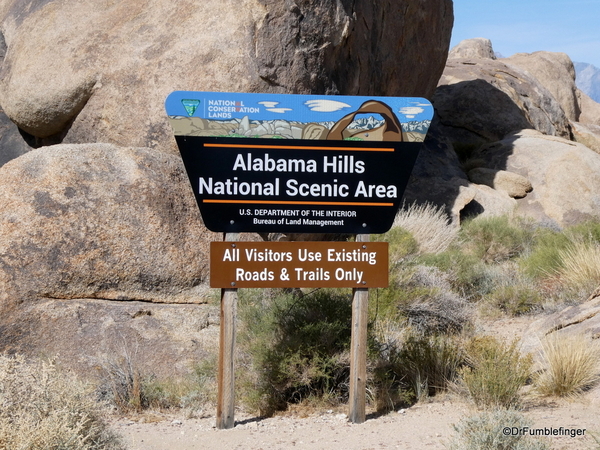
point(298, 264)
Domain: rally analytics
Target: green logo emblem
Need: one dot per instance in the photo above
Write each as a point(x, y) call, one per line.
point(190, 106)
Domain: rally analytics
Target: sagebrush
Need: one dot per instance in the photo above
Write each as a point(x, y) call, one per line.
point(45, 409)
point(486, 431)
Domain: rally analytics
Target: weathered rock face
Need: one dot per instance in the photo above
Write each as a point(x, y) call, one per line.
point(87, 71)
point(89, 334)
point(588, 135)
point(99, 221)
point(473, 48)
point(590, 110)
point(577, 320)
point(564, 175)
point(555, 71)
point(438, 178)
point(481, 100)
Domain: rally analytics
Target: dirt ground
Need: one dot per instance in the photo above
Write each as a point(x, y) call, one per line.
point(423, 426)
point(427, 425)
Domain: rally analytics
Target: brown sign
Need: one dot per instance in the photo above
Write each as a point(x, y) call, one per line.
point(298, 264)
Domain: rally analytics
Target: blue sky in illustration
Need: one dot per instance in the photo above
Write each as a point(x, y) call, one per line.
point(301, 108)
point(526, 26)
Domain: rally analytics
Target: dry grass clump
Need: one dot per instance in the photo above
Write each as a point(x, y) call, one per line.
point(429, 225)
point(580, 265)
point(571, 365)
point(44, 409)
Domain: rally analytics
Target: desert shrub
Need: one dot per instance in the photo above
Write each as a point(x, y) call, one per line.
point(495, 373)
point(475, 261)
point(570, 365)
point(485, 431)
point(415, 366)
point(401, 243)
point(438, 309)
point(45, 409)
point(191, 392)
point(544, 257)
point(469, 276)
point(422, 295)
point(588, 231)
point(298, 349)
point(496, 239)
point(429, 225)
point(122, 382)
point(515, 294)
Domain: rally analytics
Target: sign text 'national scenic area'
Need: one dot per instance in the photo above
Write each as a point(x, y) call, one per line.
point(298, 163)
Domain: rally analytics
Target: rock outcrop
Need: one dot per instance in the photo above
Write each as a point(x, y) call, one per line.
point(91, 336)
point(555, 71)
point(564, 175)
point(480, 100)
point(513, 121)
point(576, 320)
point(88, 231)
point(87, 71)
point(100, 221)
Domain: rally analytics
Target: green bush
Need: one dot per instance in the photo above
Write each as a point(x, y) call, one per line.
point(495, 373)
point(495, 239)
point(401, 243)
point(298, 349)
point(516, 299)
point(468, 275)
point(486, 431)
point(544, 258)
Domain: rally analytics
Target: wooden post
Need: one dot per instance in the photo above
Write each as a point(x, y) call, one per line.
point(226, 375)
point(358, 350)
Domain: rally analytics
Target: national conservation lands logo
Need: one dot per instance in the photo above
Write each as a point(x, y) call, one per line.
point(298, 163)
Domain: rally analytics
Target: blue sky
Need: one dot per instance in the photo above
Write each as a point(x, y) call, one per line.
point(526, 26)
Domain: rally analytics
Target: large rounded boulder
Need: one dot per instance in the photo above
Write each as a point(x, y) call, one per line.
point(88, 71)
point(100, 221)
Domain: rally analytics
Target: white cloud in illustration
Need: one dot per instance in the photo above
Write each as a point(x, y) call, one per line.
point(325, 105)
point(270, 106)
point(411, 111)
